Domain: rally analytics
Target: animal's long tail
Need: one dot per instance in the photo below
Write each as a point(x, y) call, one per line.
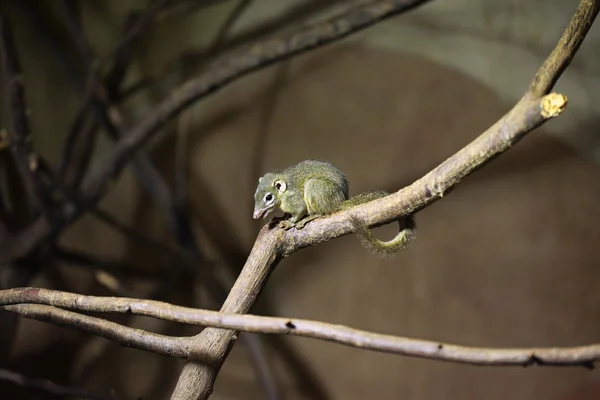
point(407, 233)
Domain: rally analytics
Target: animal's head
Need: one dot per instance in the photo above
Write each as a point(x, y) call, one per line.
point(268, 194)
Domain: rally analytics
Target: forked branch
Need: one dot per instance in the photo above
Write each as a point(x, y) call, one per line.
point(207, 351)
point(41, 304)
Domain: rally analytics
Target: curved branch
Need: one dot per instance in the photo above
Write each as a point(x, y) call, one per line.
point(196, 379)
point(218, 76)
point(579, 356)
point(235, 67)
point(128, 337)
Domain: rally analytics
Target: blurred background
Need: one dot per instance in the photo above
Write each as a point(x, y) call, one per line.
point(508, 259)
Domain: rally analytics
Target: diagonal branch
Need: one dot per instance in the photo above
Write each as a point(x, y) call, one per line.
point(576, 356)
point(258, 56)
point(197, 379)
point(569, 43)
point(222, 73)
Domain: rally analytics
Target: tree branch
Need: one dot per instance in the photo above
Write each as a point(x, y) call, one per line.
point(569, 43)
point(258, 56)
point(128, 337)
point(213, 344)
point(222, 73)
point(196, 379)
point(19, 136)
point(577, 356)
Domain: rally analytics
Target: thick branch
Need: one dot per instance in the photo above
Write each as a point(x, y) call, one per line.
point(528, 114)
point(581, 355)
point(128, 337)
point(196, 380)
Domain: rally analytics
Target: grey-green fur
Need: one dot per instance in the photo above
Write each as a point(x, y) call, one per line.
point(311, 189)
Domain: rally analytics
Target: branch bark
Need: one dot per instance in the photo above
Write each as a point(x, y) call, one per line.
point(213, 344)
point(197, 379)
point(222, 73)
point(28, 297)
point(128, 337)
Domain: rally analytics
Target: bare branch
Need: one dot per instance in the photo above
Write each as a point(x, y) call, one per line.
point(196, 379)
point(128, 337)
point(73, 22)
point(19, 136)
point(258, 56)
point(50, 387)
point(213, 344)
point(569, 43)
point(577, 356)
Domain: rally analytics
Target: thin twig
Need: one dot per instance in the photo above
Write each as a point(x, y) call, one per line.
point(258, 56)
point(126, 336)
point(232, 18)
point(73, 12)
point(567, 46)
point(79, 142)
point(134, 28)
point(108, 115)
point(50, 387)
point(19, 136)
point(577, 356)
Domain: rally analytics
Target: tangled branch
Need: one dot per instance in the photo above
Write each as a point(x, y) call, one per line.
point(218, 76)
point(207, 351)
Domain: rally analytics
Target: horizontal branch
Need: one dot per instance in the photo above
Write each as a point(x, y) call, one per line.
point(128, 337)
point(579, 356)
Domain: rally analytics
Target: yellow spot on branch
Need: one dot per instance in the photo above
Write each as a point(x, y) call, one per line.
point(553, 105)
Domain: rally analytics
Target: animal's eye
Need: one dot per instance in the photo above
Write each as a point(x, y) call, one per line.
point(269, 197)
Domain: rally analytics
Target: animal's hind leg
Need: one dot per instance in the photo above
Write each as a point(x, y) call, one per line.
point(321, 197)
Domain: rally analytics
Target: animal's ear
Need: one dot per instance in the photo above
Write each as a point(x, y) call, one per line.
point(260, 179)
point(280, 185)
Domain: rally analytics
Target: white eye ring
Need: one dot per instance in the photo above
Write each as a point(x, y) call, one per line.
point(268, 201)
point(280, 186)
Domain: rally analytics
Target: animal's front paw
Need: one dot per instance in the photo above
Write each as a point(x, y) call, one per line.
point(286, 224)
